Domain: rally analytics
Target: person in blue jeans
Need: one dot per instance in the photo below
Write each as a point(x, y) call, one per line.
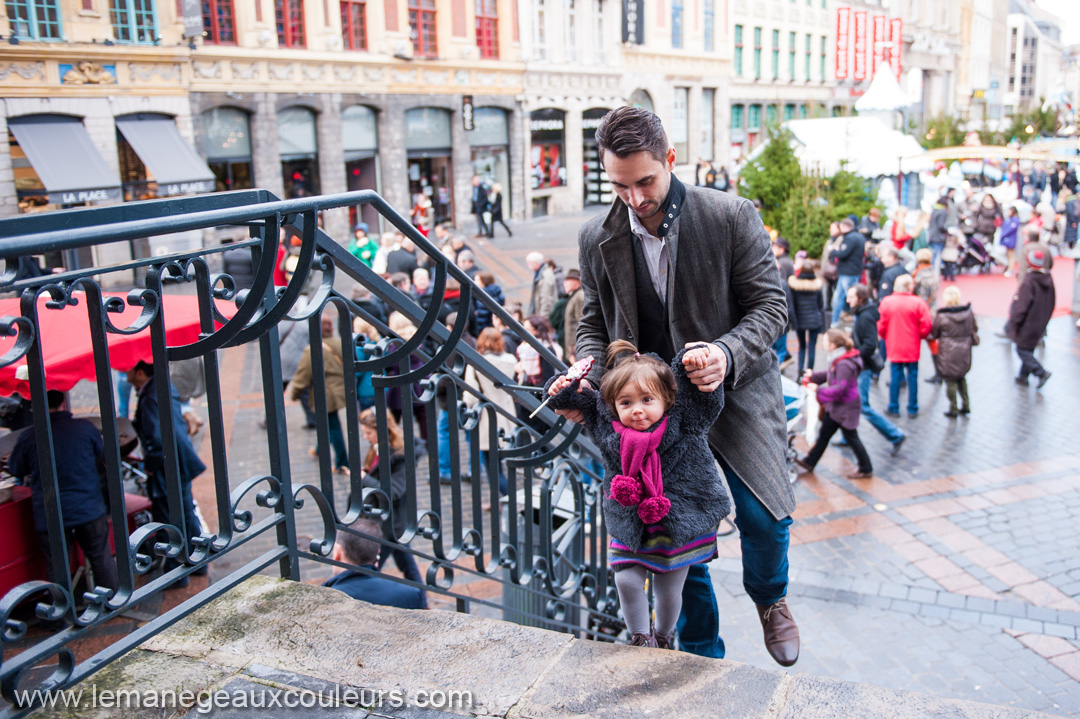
point(865, 336)
point(904, 323)
point(849, 265)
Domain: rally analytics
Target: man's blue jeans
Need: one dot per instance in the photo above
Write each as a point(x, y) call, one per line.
point(839, 302)
point(898, 369)
point(936, 248)
point(780, 347)
point(764, 542)
point(888, 430)
point(444, 445)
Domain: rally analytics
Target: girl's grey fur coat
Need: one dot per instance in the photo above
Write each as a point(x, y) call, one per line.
point(691, 479)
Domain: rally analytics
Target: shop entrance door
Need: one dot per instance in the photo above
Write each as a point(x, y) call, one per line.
point(431, 178)
point(362, 174)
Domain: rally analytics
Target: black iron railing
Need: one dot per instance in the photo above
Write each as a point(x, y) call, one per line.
point(543, 543)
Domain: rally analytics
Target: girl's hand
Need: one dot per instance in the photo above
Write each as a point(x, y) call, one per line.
point(695, 359)
point(559, 385)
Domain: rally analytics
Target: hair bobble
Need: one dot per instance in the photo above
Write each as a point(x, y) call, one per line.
point(637, 354)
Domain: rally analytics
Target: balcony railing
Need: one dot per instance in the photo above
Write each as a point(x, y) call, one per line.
point(543, 543)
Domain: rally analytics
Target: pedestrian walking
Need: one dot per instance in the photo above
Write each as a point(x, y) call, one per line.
point(1030, 312)
point(495, 202)
point(905, 322)
point(864, 335)
point(334, 374)
point(1010, 228)
point(575, 303)
point(544, 288)
point(806, 311)
point(479, 205)
point(838, 392)
point(956, 332)
point(849, 265)
point(727, 294)
point(829, 274)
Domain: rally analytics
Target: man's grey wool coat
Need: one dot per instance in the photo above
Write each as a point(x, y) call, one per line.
point(723, 287)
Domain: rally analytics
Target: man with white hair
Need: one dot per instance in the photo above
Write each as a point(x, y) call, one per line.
point(467, 263)
point(544, 291)
point(905, 322)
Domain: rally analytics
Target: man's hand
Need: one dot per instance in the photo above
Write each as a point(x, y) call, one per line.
point(711, 375)
point(574, 415)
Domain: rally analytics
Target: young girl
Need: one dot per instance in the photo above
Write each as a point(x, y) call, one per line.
point(663, 498)
point(841, 399)
point(1010, 228)
point(957, 332)
point(398, 488)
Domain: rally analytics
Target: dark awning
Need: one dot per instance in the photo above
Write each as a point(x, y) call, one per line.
point(63, 156)
point(176, 167)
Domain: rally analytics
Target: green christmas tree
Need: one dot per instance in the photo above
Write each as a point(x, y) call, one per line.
point(772, 175)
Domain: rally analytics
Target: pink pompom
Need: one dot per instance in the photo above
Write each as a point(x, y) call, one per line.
point(625, 490)
point(653, 509)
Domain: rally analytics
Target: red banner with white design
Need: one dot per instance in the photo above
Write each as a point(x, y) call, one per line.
point(879, 43)
point(859, 65)
point(896, 44)
point(843, 40)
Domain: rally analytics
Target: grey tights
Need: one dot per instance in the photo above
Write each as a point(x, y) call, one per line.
point(667, 588)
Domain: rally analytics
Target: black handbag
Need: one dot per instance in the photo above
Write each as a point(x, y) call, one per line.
point(875, 364)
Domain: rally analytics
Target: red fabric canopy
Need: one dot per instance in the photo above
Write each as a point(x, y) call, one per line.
point(65, 339)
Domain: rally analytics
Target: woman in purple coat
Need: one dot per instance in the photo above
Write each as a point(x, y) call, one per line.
point(840, 396)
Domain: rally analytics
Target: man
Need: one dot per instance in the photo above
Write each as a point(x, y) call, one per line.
point(544, 290)
point(364, 553)
point(865, 336)
point(575, 302)
point(457, 244)
point(905, 322)
point(1031, 309)
point(782, 252)
point(148, 427)
point(871, 224)
point(402, 259)
point(467, 263)
point(849, 265)
point(334, 375)
point(78, 451)
point(890, 260)
point(672, 265)
point(938, 229)
point(479, 205)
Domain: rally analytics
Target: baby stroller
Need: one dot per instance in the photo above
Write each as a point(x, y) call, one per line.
point(973, 253)
point(794, 396)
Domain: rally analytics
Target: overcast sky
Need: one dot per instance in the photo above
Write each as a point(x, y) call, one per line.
point(1069, 13)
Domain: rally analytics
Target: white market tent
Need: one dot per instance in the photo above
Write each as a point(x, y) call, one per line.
point(870, 148)
point(884, 94)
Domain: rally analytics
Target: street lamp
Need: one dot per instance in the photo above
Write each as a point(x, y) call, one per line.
point(1029, 129)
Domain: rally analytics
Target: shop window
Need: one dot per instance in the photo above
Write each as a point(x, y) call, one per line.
point(642, 99)
point(489, 146)
point(289, 15)
point(34, 19)
point(299, 151)
point(789, 112)
point(547, 162)
point(226, 144)
point(422, 28)
point(217, 17)
point(770, 114)
point(755, 117)
point(737, 117)
point(354, 24)
point(487, 29)
point(134, 21)
point(430, 167)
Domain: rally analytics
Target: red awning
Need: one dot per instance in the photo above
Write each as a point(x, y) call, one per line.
point(65, 339)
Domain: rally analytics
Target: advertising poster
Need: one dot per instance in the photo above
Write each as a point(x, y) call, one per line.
point(896, 42)
point(859, 65)
point(880, 43)
point(843, 42)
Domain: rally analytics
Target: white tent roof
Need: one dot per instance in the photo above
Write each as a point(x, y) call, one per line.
point(870, 148)
point(884, 93)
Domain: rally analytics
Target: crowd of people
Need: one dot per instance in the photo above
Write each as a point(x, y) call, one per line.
point(884, 289)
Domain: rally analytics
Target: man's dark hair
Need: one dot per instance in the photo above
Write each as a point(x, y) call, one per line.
point(627, 130)
point(145, 367)
point(55, 398)
point(399, 278)
point(846, 222)
point(361, 550)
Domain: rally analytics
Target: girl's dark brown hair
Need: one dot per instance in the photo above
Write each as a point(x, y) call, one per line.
point(626, 366)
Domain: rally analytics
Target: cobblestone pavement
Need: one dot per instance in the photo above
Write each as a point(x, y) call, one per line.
point(954, 571)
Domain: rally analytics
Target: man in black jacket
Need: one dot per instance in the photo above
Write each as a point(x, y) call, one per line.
point(364, 552)
point(1031, 310)
point(865, 336)
point(890, 258)
point(849, 265)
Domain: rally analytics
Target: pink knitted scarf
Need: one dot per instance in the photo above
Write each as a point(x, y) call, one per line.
point(642, 482)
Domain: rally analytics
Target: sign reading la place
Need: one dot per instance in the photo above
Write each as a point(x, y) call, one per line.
point(76, 197)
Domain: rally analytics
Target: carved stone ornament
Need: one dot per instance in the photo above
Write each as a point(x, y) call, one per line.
point(345, 73)
point(207, 70)
point(145, 73)
point(435, 78)
point(461, 77)
point(281, 72)
point(407, 77)
point(245, 71)
point(374, 74)
point(88, 73)
point(25, 70)
point(313, 72)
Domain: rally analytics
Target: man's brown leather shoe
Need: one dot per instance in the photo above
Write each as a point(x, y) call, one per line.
point(781, 632)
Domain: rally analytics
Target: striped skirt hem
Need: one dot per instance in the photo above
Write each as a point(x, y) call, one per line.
point(658, 555)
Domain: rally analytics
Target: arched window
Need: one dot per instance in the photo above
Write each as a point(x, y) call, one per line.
point(226, 144)
point(299, 150)
point(642, 99)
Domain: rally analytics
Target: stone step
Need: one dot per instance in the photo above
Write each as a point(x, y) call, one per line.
point(269, 643)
